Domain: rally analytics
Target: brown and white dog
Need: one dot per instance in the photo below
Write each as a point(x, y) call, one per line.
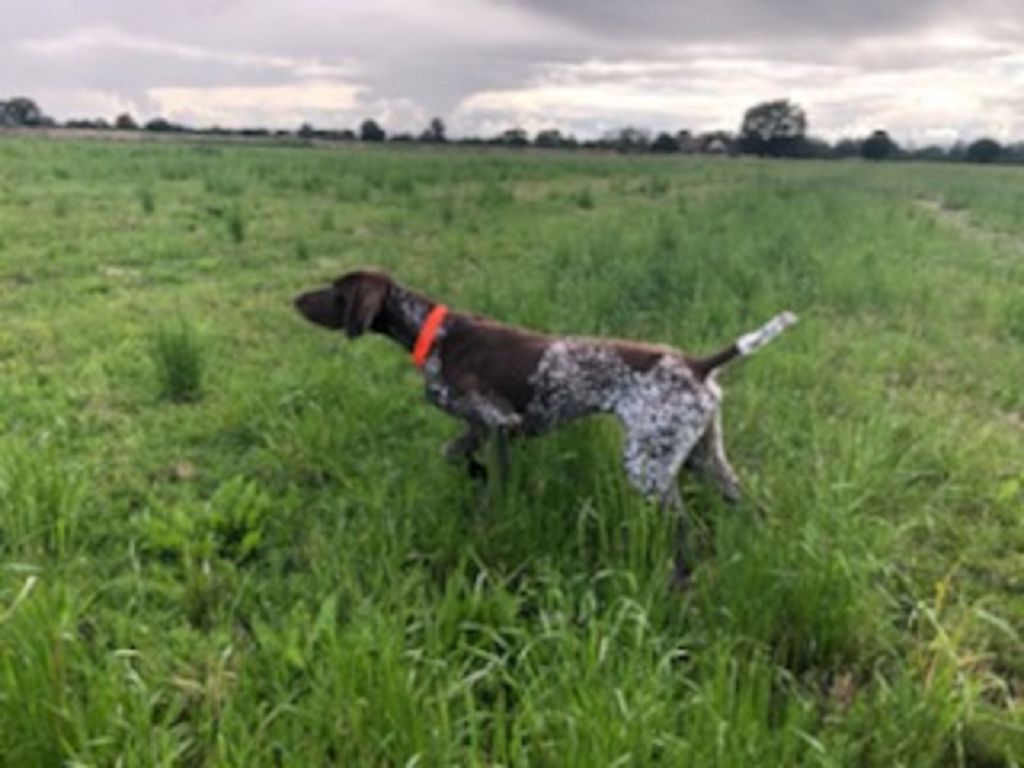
point(506, 381)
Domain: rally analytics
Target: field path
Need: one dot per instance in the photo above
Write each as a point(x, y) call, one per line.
point(959, 219)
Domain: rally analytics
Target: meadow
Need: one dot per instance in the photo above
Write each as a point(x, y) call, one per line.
point(229, 538)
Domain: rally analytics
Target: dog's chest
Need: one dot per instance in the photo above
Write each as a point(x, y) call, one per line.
point(473, 405)
point(438, 391)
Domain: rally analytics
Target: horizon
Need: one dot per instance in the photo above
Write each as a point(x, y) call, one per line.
point(927, 72)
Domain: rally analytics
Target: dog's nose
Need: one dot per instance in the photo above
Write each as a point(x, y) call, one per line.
point(301, 302)
point(318, 307)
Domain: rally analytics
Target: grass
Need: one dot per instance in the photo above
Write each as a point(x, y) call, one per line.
point(285, 572)
point(147, 200)
point(178, 361)
point(236, 224)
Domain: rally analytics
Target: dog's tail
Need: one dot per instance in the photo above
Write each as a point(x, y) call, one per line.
point(744, 345)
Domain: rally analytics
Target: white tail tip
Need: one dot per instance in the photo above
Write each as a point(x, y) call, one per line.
point(751, 342)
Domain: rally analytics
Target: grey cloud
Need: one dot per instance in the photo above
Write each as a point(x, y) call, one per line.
point(668, 22)
point(389, 53)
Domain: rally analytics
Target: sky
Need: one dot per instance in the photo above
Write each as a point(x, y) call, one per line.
point(928, 71)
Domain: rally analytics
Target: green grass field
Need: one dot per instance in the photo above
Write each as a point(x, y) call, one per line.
point(229, 538)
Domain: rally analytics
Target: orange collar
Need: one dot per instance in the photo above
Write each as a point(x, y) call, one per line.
point(428, 333)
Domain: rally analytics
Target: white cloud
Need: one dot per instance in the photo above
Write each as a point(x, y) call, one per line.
point(950, 84)
point(274, 106)
point(88, 102)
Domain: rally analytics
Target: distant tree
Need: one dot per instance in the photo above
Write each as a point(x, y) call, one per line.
point(434, 133)
point(513, 137)
point(686, 142)
point(99, 124)
point(549, 138)
point(22, 112)
point(401, 138)
point(878, 146)
point(715, 143)
point(845, 148)
point(628, 139)
point(125, 122)
point(958, 151)
point(665, 143)
point(1014, 153)
point(932, 152)
point(984, 151)
point(814, 147)
point(774, 128)
point(307, 131)
point(371, 131)
point(162, 125)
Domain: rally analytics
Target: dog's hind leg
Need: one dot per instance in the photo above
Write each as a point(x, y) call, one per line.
point(652, 462)
point(709, 459)
point(671, 503)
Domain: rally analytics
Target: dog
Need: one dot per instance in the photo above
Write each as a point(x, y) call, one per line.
point(510, 381)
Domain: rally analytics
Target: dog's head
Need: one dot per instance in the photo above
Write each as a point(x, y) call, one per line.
point(351, 303)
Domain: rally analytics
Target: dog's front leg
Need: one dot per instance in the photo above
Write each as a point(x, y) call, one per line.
point(501, 438)
point(464, 447)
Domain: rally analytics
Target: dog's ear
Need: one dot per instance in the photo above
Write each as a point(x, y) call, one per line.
point(362, 295)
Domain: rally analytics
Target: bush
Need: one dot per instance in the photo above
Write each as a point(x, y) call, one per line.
point(178, 359)
point(147, 200)
point(236, 224)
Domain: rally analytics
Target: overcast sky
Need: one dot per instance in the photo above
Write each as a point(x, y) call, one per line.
point(926, 70)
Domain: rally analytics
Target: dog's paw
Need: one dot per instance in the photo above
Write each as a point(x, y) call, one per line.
point(476, 470)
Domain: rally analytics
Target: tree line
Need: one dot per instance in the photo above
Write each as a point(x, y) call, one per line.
point(771, 129)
